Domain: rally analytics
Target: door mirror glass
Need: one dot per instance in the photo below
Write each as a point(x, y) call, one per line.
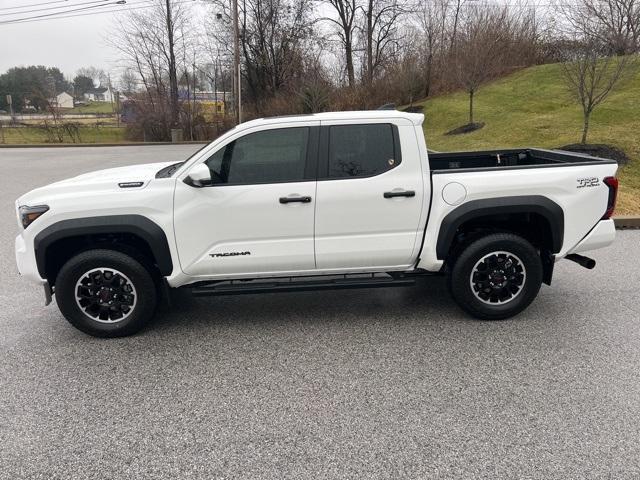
point(199, 176)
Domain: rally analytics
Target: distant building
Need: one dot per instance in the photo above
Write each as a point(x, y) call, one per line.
point(100, 94)
point(62, 100)
point(213, 103)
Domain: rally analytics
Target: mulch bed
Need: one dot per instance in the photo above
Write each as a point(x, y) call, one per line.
point(598, 150)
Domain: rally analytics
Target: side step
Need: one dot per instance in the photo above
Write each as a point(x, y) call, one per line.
point(292, 284)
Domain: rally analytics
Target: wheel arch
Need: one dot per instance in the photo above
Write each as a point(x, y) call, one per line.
point(127, 233)
point(535, 217)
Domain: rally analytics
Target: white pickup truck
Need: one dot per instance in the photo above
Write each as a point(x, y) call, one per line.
point(332, 200)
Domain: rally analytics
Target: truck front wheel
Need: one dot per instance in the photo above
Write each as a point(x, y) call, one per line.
point(496, 276)
point(106, 293)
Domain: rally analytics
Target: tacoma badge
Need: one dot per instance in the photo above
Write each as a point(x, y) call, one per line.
point(229, 254)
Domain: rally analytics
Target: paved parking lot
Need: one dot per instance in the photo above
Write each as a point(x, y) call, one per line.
point(392, 383)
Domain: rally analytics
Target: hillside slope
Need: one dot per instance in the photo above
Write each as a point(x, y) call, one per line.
point(533, 108)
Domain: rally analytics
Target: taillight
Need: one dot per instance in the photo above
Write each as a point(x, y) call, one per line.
point(612, 183)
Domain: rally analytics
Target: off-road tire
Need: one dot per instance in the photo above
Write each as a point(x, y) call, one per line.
point(467, 293)
point(75, 269)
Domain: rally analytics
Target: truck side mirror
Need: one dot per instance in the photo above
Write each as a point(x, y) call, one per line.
point(199, 176)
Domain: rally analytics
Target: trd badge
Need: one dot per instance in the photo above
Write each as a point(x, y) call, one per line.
point(588, 182)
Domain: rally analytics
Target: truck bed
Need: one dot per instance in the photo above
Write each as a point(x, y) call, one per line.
point(508, 159)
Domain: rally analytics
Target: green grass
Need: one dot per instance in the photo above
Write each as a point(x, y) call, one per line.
point(88, 134)
point(92, 107)
point(533, 108)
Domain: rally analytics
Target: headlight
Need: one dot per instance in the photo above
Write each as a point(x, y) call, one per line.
point(29, 214)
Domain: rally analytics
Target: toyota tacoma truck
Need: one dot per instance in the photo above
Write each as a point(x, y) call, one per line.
point(331, 200)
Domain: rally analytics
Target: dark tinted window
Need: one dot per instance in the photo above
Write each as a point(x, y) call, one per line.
point(271, 156)
point(361, 150)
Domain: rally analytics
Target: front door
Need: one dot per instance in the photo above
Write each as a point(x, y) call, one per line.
point(369, 196)
point(257, 217)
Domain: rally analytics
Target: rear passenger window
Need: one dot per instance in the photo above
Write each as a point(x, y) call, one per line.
point(361, 150)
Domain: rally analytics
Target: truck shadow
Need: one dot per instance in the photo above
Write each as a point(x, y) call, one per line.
point(428, 300)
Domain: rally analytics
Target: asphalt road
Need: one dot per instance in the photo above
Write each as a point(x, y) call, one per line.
point(389, 383)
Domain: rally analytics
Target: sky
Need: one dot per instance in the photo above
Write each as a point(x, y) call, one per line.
point(69, 43)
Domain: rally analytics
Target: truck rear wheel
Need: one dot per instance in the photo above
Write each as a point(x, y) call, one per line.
point(105, 293)
point(496, 276)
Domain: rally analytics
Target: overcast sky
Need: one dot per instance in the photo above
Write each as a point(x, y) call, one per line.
point(68, 43)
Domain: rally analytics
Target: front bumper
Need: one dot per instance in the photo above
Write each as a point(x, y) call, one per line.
point(602, 235)
point(26, 261)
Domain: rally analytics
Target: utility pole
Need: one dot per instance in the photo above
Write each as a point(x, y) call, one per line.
point(193, 105)
point(173, 77)
point(237, 80)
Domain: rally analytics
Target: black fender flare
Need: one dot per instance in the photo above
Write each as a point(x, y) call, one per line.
point(537, 204)
point(137, 225)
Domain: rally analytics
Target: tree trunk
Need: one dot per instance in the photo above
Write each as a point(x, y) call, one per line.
point(349, 58)
point(427, 88)
point(470, 107)
point(455, 25)
point(585, 128)
point(369, 76)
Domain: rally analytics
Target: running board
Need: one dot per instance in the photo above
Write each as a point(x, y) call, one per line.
point(292, 284)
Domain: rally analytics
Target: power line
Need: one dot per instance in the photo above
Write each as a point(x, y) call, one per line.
point(37, 10)
point(19, 20)
point(33, 5)
point(125, 8)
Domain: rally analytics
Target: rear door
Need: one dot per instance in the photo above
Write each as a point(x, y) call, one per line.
point(369, 196)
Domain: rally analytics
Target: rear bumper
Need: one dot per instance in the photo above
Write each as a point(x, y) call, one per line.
point(602, 235)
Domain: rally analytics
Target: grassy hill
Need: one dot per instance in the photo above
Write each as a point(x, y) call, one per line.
point(533, 108)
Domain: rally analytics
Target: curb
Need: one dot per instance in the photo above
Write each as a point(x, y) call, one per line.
point(65, 145)
point(627, 221)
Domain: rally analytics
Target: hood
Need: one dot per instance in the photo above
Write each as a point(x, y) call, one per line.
point(134, 177)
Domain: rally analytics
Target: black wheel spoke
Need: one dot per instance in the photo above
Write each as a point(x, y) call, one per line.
point(106, 295)
point(498, 278)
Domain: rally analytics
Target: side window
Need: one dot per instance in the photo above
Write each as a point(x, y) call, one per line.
point(361, 150)
point(270, 156)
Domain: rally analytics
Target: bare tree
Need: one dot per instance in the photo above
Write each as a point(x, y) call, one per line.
point(432, 19)
point(98, 75)
point(408, 72)
point(615, 24)
point(275, 38)
point(128, 82)
point(591, 77)
point(380, 27)
point(151, 41)
point(456, 19)
point(346, 11)
point(479, 49)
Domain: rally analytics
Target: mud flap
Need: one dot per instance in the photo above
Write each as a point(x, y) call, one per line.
point(48, 294)
point(548, 262)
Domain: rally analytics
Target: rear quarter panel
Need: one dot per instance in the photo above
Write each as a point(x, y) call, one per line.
point(583, 207)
